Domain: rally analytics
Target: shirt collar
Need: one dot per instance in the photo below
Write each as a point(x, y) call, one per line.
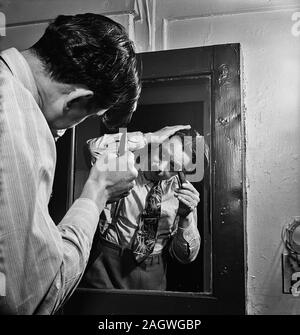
point(21, 70)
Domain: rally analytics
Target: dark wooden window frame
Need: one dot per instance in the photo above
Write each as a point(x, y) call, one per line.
point(222, 64)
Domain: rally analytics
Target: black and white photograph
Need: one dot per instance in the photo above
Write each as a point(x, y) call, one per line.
point(149, 161)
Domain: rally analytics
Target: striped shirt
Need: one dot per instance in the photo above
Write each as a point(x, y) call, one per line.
point(40, 263)
point(185, 242)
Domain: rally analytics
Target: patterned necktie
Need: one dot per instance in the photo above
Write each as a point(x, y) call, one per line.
point(145, 237)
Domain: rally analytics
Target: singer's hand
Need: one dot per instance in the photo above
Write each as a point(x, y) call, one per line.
point(188, 198)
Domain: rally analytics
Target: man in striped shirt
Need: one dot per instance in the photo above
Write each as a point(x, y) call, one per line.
point(83, 65)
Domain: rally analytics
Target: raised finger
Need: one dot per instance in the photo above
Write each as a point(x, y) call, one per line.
point(189, 204)
point(188, 199)
point(187, 185)
point(188, 193)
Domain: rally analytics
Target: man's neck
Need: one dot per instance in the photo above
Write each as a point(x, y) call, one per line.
point(37, 70)
point(48, 89)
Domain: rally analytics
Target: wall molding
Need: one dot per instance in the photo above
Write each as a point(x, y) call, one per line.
point(30, 28)
point(263, 9)
point(24, 11)
point(134, 13)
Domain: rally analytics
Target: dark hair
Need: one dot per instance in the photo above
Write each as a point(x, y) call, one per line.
point(117, 117)
point(92, 50)
point(193, 134)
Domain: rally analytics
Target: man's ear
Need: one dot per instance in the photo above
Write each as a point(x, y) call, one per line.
point(77, 96)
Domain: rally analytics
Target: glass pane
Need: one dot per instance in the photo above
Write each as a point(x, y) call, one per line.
point(166, 102)
point(176, 101)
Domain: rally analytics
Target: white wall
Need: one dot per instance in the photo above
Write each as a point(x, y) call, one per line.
point(26, 20)
point(272, 101)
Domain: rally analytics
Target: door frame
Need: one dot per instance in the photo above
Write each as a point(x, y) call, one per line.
point(222, 63)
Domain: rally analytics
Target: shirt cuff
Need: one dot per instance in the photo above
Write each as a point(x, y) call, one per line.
point(83, 215)
point(86, 202)
point(189, 233)
point(187, 228)
point(188, 220)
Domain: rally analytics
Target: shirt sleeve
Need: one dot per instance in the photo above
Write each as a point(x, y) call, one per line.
point(110, 143)
point(77, 230)
point(40, 263)
point(185, 244)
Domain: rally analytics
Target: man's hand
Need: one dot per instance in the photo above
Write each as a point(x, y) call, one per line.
point(163, 134)
point(188, 198)
point(107, 182)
